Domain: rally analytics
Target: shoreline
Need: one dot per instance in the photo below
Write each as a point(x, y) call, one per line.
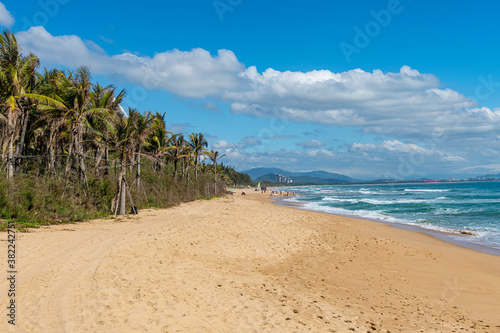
point(244, 264)
point(446, 236)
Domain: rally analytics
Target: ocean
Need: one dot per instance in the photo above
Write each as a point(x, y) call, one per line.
point(442, 207)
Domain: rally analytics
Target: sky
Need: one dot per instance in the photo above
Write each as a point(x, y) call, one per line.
point(399, 89)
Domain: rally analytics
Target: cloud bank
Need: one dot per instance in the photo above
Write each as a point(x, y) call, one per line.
point(6, 18)
point(195, 73)
point(406, 103)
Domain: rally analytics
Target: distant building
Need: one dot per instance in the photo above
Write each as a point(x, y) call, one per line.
point(283, 179)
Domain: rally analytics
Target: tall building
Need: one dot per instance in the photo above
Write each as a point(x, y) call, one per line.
point(283, 179)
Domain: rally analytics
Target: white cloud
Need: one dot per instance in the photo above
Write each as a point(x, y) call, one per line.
point(484, 168)
point(402, 102)
point(178, 128)
point(6, 18)
point(390, 159)
point(194, 73)
point(106, 40)
point(211, 106)
point(278, 137)
point(251, 141)
point(310, 144)
point(379, 101)
point(225, 145)
point(393, 149)
point(94, 47)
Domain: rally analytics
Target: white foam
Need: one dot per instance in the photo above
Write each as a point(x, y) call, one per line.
point(414, 190)
point(330, 199)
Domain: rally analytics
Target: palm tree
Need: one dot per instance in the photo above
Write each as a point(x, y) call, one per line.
point(17, 82)
point(197, 143)
point(143, 127)
point(214, 156)
point(103, 98)
point(176, 144)
point(158, 141)
point(187, 158)
point(120, 138)
point(74, 90)
point(48, 124)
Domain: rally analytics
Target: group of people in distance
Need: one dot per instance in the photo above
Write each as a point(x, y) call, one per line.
point(279, 193)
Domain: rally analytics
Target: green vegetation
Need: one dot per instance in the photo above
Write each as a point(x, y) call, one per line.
point(233, 177)
point(69, 152)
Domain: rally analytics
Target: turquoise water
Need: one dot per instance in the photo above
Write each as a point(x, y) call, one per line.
point(471, 206)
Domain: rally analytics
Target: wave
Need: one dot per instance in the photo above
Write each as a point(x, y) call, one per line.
point(365, 191)
point(373, 215)
point(445, 208)
point(376, 201)
point(422, 190)
point(330, 199)
point(422, 223)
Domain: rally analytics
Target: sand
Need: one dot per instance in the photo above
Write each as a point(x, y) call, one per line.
point(244, 264)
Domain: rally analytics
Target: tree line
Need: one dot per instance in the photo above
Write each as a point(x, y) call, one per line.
point(60, 124)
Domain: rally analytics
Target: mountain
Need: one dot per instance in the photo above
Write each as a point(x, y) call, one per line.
point(257, 172)
point(311, 177)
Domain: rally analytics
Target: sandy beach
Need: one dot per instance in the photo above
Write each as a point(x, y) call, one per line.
point(244, 264)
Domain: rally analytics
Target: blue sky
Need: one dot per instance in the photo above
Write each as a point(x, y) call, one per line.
point(372, 89)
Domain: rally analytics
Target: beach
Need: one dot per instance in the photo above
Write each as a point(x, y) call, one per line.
point(245, 264)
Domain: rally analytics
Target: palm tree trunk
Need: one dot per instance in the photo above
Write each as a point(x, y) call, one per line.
point(52, 159)
point(123, 197)
point(215, 178)
point(50, 148)
point(10, 159)
point(20, 147)
point(106, 162)
point(123, 189)
point(81, 158)
point(99, 153)
point(70, 156)
point(138, 175)
point(196, 168)
point(11, 125)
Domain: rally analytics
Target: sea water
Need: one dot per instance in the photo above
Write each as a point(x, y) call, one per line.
point(447, 207)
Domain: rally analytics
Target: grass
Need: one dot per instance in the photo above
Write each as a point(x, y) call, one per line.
point(35, 199)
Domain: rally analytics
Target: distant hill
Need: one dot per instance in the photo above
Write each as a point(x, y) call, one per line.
point(311, 177)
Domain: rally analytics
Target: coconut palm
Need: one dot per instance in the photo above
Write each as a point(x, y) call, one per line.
point(103, 98)
point(74, 90)
point(157, 144)
point(120, 138)
point(198, 144)
point(17, 82)
point(187, 159)
point(175, 148)
point(143, 127)
point(214, 156)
